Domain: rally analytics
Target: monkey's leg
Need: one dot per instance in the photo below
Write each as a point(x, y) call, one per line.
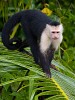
point(31, 39)
point(34, 49)
point(24, 45)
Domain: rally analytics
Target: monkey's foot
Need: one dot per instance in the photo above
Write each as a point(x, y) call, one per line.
point(26, 52)
point(53, 67)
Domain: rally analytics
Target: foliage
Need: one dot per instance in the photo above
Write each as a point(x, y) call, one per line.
point(13, 70)
point(20, 77)
point(68, 59)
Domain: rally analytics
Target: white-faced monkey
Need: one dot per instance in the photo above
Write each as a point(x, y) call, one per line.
point(43, 36)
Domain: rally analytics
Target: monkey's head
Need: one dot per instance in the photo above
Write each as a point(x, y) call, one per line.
point(55, 30)
point(51, 36)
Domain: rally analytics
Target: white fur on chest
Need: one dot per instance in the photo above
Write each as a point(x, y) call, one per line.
point(44, 43)
point(56, 43)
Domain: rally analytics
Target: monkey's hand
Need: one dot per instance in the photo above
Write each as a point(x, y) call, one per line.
point(48, 73)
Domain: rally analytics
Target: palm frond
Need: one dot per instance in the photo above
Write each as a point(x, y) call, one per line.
point(60, 86)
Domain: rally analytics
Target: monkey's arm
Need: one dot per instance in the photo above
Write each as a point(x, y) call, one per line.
point(50, 54)
point(44, 63)
point(50, 58)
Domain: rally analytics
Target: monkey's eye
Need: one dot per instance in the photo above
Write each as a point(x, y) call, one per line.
point(53, 32)
point(58, 32)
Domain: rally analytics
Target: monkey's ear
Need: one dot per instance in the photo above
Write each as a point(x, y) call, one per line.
point(47, 26)
point(61, 28)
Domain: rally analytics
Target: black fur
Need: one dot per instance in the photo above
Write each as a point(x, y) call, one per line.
point(33, 23)
point(54, 23)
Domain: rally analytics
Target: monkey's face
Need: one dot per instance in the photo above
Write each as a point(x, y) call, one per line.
point(56, 35)
point(56, 32)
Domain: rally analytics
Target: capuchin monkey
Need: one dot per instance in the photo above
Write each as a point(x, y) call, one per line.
point(43, 36)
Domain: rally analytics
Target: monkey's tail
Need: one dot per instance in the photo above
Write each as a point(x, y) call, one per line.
point(7, 30)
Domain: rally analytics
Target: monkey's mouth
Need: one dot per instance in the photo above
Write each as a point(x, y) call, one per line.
point(55, 38)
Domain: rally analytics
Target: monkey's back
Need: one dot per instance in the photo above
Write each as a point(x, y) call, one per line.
point(36, 20)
